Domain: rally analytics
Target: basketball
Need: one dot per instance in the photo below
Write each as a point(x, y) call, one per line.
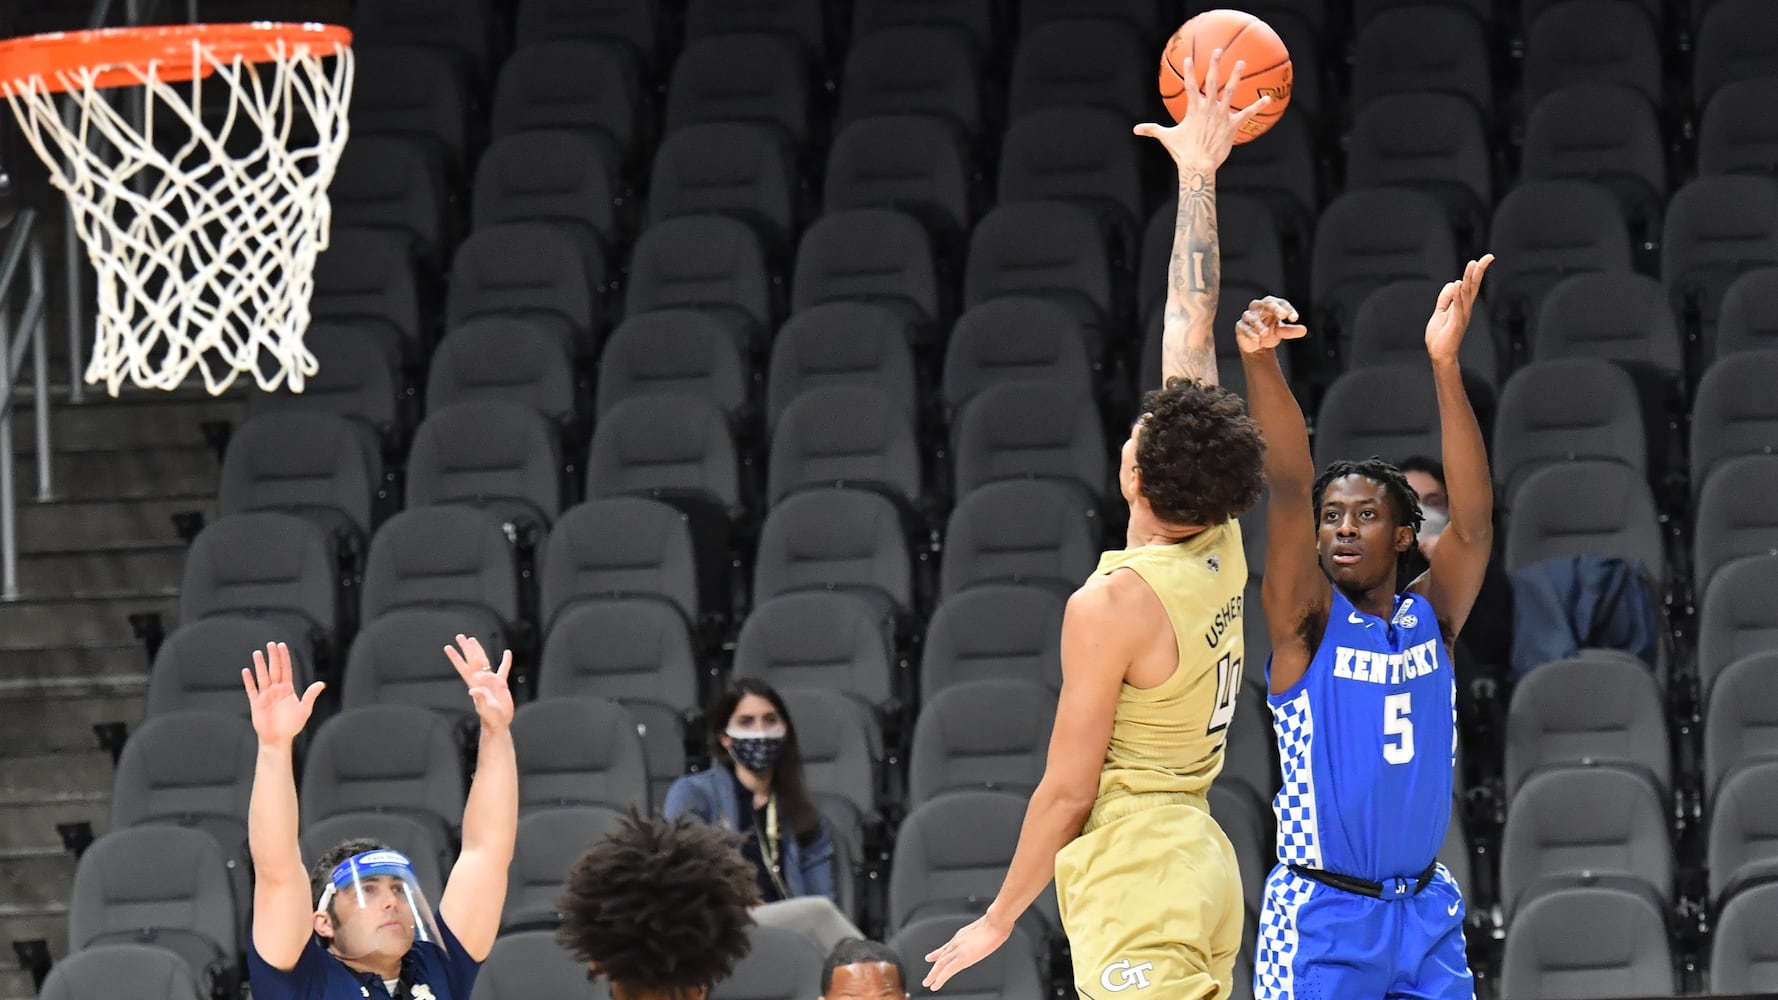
point(1242, 38)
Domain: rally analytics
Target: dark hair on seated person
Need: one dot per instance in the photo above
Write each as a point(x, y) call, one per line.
point(1405, 503)
point(322, 872)
point(1420, 463)
point(1200, 454)
point(856, 951)
point(661, 906)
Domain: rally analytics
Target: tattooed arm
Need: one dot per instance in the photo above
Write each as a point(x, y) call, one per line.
point(1198, 144)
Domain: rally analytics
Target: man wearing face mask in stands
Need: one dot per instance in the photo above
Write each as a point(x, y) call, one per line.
point(755, 787)
point(1484, 649)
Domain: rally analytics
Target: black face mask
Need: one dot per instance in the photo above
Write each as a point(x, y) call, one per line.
point(756, 753)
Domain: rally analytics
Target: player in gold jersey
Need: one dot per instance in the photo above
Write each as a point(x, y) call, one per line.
point(1149, 892)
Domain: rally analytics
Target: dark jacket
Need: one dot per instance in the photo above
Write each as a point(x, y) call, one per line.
point(1562, 606)
point(709, 796)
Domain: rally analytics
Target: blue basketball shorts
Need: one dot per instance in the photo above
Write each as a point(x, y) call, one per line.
point(1317, 942)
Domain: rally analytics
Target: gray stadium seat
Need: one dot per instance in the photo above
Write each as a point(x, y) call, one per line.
point(1098, 168)
point(1585, 508)
point(1736, 618)
point(728, 168)
point(840, 343)
point(548, 843)
point(1744, 827)
point(914, 69)
point(1389, 329)
point(1735, 518)
point(913, 163)
point(875, 255)
point(1046, 249)
point(1248, 825)
point(1741, 717)
point(638, 652)
point(1736, 40)
point(398, 658)
point(674, 351)
point(1252, 250)
point(1351, 425)
point(973, 19)
point(415, 836)
point(751, 77)
point(993, 630)
point(1608, 135)
point(1256, 633)
point(1082, 61)
point(414, 92)
point(1143, 15)
point(1424, 47)
point(94, 974)
point(1455, 854)
point(831, 640)
point(1031, 430)
point(670, 446)
point(570, 84)
point(1592, 41)
point(502, 358)
point(1566, 410)
point(935, 872)
point(1566, 825)
point(850, 540)
point(1230, 374)
point(166, 886)
point(1250, 757)
point(1283, 173)
point(579, 752)
point(1012, 339)
point(618, 547)
point(355, 378)
point(495, 455)
point(851, 436)
point(394, 185)
point(1369, 238)
point(1544, 231)
point(780, 964)
point(840, 741)
point(1744, 943)
point(526, 965)
point(535, 270)
point(1032, 532)
point(1716, 228)
point(1587, 942)
point(452, 557)
point(464, 30)
point(399, 759)
point(980, 735)
point(638, 24)
point(366, 283)
point(267, 564)
point(802, 20)
point(1734, 135)
point(317, 465)
point(560, 176)
point(1434, 142)
point(1748, 317)
point(711, 263)
point(1733, 412)
point(1010, 973)
point(198, 665)
point(1591, 711)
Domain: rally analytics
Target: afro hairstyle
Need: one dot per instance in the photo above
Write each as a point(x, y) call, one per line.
point(1403, 501)
point(1200, 454)
point(660, 906)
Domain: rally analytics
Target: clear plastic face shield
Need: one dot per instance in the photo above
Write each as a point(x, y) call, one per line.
point(377, 906)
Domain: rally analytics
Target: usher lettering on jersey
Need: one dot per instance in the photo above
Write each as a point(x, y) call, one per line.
point(1225, 620)
point(1386, 668)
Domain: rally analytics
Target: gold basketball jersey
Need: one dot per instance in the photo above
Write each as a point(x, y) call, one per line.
point(1167, 741)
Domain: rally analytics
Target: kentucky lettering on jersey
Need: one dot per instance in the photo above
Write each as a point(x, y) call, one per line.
point(1367, 741)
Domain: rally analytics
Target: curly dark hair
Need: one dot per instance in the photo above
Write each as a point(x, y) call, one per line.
point(323, 869)
point(660, 906)
point(1201, 456)
point(1403, 501)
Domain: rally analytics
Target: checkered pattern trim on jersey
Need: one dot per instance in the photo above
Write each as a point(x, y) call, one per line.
point(1299, 837)
point(1274, 959)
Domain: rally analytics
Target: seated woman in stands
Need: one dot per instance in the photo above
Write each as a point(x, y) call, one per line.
point(755, 788)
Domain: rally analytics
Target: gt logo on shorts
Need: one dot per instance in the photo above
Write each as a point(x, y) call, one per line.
point(1120, 976)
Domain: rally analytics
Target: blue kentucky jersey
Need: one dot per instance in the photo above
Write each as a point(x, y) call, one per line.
point(1367, 740)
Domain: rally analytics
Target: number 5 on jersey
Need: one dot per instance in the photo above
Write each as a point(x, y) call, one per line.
point(1398, 729)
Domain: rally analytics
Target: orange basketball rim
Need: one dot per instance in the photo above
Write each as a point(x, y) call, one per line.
point(117, 57)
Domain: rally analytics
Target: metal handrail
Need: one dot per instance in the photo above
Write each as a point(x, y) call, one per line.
point(23, 244)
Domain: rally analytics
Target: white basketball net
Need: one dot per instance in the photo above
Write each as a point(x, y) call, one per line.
point(205, 257)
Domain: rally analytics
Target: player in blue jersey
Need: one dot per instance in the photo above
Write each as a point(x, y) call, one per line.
point(1363, 697)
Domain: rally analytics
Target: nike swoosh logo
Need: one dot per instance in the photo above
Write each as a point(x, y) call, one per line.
point(1455, 907)
point(1354, 619)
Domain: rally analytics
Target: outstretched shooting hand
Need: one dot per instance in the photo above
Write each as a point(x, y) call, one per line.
point(1205, 135)
point(1450, 318)
point(972, 943)
point(1266, 323)
point(278, 714)
point(487, 686)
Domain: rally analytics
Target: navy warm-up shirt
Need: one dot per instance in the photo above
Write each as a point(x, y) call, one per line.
point(428, 972)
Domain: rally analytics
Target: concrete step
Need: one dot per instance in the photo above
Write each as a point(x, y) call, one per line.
point(101, 423)
point(26, 823)
point(65, 525)
point(82, 774)
point(36, 878)
point(37, 622)
point(60, 718)
point(25, 921)
point(120, 662)
point(109, 475)
point(125, 566)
